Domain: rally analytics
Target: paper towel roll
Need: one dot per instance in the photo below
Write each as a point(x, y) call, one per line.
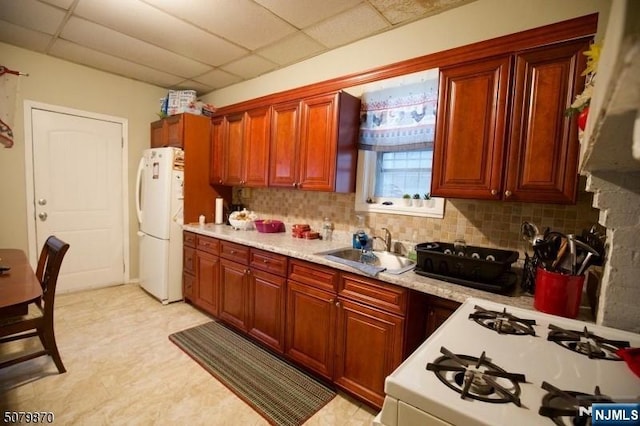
point(218, 211)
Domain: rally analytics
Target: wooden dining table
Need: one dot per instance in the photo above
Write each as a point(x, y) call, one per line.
point(19, 285)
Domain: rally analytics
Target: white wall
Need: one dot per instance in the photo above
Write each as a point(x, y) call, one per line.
point(59, 82)
point(477, 21)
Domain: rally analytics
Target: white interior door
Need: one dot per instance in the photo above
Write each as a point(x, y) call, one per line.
point(78, 195)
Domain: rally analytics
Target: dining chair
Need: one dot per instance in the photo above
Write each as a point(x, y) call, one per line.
point(39, 320)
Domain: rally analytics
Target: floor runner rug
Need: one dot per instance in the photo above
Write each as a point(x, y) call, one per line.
point(280, 392)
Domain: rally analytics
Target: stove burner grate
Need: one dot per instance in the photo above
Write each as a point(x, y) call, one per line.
point(503, 322)
point(586, 343)
point(477, 378)
point(560, 405)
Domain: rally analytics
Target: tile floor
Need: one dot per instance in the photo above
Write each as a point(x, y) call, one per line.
point(122, 369)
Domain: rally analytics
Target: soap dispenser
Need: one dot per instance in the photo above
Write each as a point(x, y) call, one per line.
point(360, 237)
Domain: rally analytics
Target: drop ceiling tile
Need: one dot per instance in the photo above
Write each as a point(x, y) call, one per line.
point(32, 14)
point(160, 29)
point(201, 89)
point(217, 79)
point(398, 11)
point(355, 24)
point(120, 45)
point(303, 13)
point(64, 4)
point(249, 66)
point(86, 56)
point(243, 21)
point(292, 49)
point(22, 37)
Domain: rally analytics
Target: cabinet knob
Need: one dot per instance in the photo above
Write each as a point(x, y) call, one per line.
point(220, 181)
point(265, 261)
point(294, 184)
point(494, 192)
point(337, 303)
point(507, 193)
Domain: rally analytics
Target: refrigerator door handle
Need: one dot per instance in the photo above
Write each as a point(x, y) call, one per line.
point(139, 190)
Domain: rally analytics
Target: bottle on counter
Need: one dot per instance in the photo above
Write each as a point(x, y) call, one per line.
point(327, 229)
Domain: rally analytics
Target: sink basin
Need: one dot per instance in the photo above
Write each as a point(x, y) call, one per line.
point(394, 264)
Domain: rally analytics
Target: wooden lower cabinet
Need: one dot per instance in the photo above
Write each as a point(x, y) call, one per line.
point(266, 316)
point(208, 282)
point(438, 310)
point(369, 348)
point(233, 294)
point(311, 327)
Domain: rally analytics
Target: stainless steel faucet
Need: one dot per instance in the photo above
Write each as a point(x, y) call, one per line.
point(386, 239)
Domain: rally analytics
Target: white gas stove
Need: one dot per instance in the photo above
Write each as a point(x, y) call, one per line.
point(511, 379)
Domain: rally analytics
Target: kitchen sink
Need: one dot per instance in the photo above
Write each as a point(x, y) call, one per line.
point(393, 263)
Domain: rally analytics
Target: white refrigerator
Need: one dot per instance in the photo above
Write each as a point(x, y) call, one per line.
point(159, 203)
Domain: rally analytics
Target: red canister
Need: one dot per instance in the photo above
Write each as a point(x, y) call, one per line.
point(558, 294)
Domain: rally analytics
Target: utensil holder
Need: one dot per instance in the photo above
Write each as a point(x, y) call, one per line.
point(558, 294)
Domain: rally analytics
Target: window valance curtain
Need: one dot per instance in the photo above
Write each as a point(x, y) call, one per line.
point(399, 118)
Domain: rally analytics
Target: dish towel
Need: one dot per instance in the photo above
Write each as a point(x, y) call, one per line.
point(370, 270)
point(632, 357)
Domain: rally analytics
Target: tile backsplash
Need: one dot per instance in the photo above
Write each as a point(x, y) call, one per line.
point(481, 223)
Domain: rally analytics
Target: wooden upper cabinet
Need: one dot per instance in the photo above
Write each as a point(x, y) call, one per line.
point(469, 146)
point(216, 167)
point(240, 148)
point(501, 128)
point(314, 143)
point(157, 134)
point(168, 132)
point(542, 162)
point(285, 128)
point(256, 147)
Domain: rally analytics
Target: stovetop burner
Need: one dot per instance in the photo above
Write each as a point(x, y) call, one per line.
point(503, 322)
point(562, 406)
point(477, 378)
point(587, 343)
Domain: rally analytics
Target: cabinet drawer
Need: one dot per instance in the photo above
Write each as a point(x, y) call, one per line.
point(374, 293)
point(208, 244)
point(189, 239)
point(235, 252)
point(268, 262)
point(189, 260)
point(313, 275)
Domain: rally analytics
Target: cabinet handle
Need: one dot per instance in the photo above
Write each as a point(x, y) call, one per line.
point(265, 261)
point(507, 193)
point(494, 192)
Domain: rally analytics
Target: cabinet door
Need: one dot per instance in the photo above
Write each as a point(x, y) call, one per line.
point(188, 284)
point(233, 294)
point(470, 130)
point(216, 168)
point(205, 295)
point(310, 327)
point(174, 125)
point(283, 169)
point(318, 143)
point(266, 308)
point(543, 151)
point(256, 148)
point(369, 348)
point(438, 311)
point(233, 146)
point(157, 134)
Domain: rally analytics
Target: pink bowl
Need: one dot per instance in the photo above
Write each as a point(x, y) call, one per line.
point(269, 226)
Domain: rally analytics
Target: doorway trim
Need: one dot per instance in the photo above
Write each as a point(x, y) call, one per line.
point(29, 106)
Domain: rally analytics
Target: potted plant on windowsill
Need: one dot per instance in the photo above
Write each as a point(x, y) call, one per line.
point(428, 201)
point(406, 199)
point(417, 201)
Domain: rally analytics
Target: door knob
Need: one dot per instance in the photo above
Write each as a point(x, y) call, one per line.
point(42, 216)
point(42, 202)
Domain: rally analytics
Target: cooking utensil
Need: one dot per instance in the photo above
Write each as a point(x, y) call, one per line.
point(561, 252)
point(572, 252)
point(591, 253)
point(529, 231)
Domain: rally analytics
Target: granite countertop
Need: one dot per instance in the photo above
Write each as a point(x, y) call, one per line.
point(283, 243)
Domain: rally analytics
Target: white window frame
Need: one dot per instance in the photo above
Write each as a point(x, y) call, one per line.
point(365, 188)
